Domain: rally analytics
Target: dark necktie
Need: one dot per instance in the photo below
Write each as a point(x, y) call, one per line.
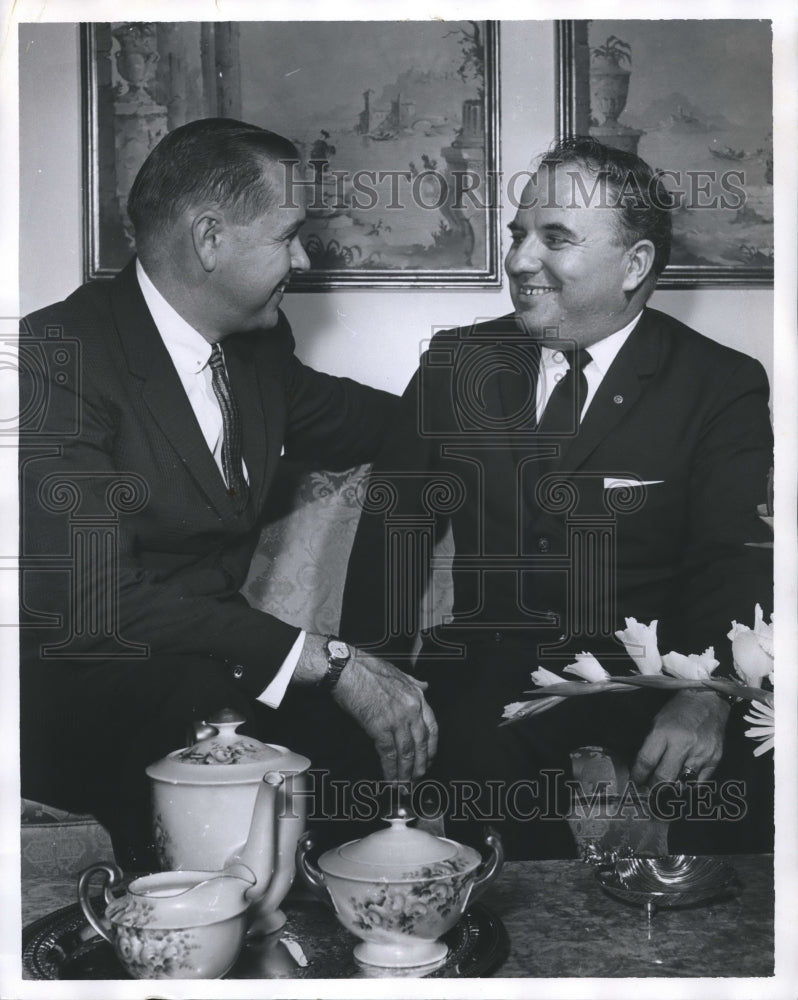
point(564, 407)
point(231, 422)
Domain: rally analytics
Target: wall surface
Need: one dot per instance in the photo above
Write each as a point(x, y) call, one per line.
point(374, 336)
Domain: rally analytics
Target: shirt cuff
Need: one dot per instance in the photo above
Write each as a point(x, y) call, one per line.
point(275, 692)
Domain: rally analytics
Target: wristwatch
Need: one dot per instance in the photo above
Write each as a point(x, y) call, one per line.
point(338, 655)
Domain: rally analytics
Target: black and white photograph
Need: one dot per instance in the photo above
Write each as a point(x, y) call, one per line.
point(399, 443)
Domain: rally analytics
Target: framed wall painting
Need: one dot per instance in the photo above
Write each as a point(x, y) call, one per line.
point(672, 91)
point(396, 124)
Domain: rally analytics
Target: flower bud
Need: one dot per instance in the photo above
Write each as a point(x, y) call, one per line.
point(545, 677)
point(752, 660)
point(695, 667)
point(641, 644)
point(587, 668)
point(752, 650)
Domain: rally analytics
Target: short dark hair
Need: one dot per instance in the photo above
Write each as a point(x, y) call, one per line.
point(211, 159)
point(642, 201)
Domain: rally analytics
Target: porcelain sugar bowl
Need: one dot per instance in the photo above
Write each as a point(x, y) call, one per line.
point(204, 798)
point(400, 889)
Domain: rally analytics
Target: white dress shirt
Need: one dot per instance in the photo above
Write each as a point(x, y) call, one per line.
point(553, 366)
point(190, 353)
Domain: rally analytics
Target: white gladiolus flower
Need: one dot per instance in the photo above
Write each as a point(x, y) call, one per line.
point(752, 650)
point(695, 667)
point(641, 644)
point(545, 677)
point(587, 667)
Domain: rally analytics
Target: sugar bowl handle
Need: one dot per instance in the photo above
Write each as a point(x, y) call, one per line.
point(313, 876)
point(113, 877)
point(491, 865)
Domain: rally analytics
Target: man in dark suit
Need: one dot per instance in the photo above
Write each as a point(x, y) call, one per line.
point(628, 490)
point(155, 410)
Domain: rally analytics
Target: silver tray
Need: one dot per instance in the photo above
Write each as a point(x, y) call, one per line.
point(61, 946)
point(676, 880)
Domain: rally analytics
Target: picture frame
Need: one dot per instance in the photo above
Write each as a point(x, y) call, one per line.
point(690, 113)
point(399, 153)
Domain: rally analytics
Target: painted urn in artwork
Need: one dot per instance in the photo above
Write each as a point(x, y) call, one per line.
point(400, 889)
point(609, 79)
point(204, 799)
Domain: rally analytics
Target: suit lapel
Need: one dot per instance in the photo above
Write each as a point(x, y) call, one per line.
point(162, 391)
point(620, 389)
point(510, 396)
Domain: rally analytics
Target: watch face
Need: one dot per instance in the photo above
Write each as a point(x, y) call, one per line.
point(338, 650)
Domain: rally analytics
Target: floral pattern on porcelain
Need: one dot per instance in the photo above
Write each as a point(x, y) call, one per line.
point(437, 869)
point(409, 908)
point(163, 843)
point(216, 752)
point(155, 954)
point(149, 952)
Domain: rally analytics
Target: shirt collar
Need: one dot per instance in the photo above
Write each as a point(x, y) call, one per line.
point(189, 350)
point(602, 353)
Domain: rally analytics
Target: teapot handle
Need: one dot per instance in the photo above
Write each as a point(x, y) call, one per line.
point(113, 877)
point(490, 866)
point(312, 875)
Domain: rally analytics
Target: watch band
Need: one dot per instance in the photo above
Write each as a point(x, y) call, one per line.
point(336, 661)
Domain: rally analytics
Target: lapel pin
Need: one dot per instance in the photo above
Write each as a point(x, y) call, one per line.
point(617, 399)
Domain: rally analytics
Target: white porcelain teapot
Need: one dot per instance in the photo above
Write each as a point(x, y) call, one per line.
point(187, 924)
point(204, 799)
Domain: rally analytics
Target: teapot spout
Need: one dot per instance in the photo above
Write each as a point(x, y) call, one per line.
point(290, 823)
point(258, 854)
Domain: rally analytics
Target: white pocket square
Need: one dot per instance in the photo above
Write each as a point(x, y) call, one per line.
point(617, 483)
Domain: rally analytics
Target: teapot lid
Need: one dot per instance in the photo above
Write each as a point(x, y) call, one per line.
point(400, 853)
point(224, 756)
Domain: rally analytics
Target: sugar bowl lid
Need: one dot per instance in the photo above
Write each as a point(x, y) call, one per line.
point(224, 756)
point(400, 853)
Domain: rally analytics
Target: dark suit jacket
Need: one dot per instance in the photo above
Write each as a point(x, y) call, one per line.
point(565, 556)
point(130, 542)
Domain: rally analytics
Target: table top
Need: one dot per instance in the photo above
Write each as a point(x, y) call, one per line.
point(561, 924)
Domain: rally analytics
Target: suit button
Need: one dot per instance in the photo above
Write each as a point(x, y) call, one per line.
point(498, 637)
point(238, 671)
point(543, 545)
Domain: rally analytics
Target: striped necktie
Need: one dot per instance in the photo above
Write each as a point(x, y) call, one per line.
point(231, 422)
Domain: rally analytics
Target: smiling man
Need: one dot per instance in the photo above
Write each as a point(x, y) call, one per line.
point(597, 460)
point(169, 395)
point(578, 264)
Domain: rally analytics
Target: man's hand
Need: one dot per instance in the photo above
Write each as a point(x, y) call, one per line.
point(390, 705)
point(687, 732)
point(387, 703)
